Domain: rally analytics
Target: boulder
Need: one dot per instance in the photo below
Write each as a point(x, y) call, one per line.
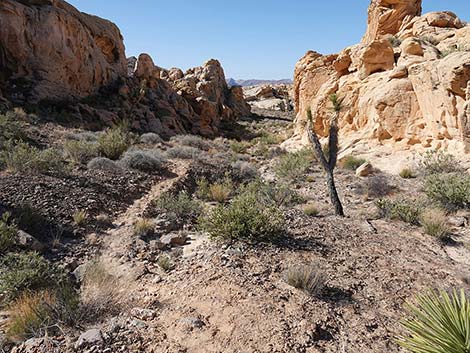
point(50, 50)
point(28, 242)
point(89, 338)
point(377, 56)
point(364, 170)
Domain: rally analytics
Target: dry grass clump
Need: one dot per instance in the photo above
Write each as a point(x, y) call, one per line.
point(143, 227)
point(407, 173)
point(165, 263)
point(240, 147)
point(311, 209)
point(114, 142)
point(101, 293)
point(80, 152)
point(219, 191)
point(435, 223)
point(352, 163)
point(307, 278)
point(80, 218)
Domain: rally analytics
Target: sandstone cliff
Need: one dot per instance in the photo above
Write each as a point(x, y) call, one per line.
point(52, 53)
point(404, 84)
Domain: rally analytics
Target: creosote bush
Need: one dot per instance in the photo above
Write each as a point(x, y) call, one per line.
point(80, 152)
point(20, 157)
point(182, 206)
point(435, 223)
point(408, 211)
point(8, 232)
point(438, 161)
point(307, 278)
point(144, 161)
point(294, 165)
point(245, 218)
point(352, 163)
point(451, 191)
point(439, 322)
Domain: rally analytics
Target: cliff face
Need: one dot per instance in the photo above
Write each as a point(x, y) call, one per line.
point(404, 84)
point(49, 50)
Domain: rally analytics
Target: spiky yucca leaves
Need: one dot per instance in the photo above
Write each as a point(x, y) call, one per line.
point(440, 324)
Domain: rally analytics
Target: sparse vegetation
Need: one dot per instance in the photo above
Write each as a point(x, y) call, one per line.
point(408, 211)
point(307, 278)
point(407, 173)
point(143, 227)
point(244, 171)
point(451, 191)
point(292, 166)
point(150, 138)
point(394, 41)
point(245, 218)
point(439, 322)
point(80, 152)
point(272, 195)
point(437, 161)
point(114, 142)
point(165, 263)
point(182, 206)
point(183, 152)
point(435, 223)
point(11, 128)
point(144, 161)
point(377, 186)
point(218, 192)
point(352, 163)
point(8, 232)
point(192, 141)
point(102, 163)
point(22, 158)
point(430, 40)
point(311, 210)
point(240, 147)
point(80, 218)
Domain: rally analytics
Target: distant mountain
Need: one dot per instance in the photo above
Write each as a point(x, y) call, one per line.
point(244, 83)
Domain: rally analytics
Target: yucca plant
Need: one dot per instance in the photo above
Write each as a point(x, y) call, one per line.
point(440, 323)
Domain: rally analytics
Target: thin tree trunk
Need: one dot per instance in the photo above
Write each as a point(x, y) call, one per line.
point(334, 194)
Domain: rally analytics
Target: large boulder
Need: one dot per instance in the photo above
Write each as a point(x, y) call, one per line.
point(50, 50)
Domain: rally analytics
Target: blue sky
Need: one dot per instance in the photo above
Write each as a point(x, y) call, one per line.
point(252, 38)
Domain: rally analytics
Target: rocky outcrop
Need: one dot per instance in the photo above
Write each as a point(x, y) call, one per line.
point(408, 91)
point(269, 97)
point(465, 121)
point(49, 50)
point(386, 17)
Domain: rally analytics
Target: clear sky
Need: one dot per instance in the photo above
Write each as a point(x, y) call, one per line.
point(252, 38)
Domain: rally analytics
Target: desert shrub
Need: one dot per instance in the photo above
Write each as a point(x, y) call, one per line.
point(221, 191)
point(435, 223)
point(267, 138)
point(451, 191)
point(84, 136)
point(114, 142)
point(80, 152)
point(293, 165)
point(240, 147)
point(145, 161)
point(183, 152)
point(192, 141)
point(150, 138)
point(102, 163)
point(244, 171)
point(439, 322)
point(407, 173)
point(394, 41)
point(437, 161)
point(11, 128)
point(22, 158)
point(29, 271)
point(408, 211)
point(311, 210)
point(203, 188)
point(165, 263)
point(143, 227)
point(35, 314)
point(377, 186)
point(352, 163)
point(80, 218)
point(181, 205)
point(101, 293)
point(430, 39)
point(306, 278)
point(8, 232)
point(272, 195)
point(245, 218)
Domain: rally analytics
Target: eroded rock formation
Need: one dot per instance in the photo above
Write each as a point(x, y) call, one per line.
point(405, 83)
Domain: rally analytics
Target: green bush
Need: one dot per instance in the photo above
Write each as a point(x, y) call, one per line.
point(272, 195)
point(8, 232)
point(352, 163)
point(294, 165)
point(240, 147)
point(11, 129)
point(408, 211)
point(437, 161)
point(21, 272)
point(114, 142)
point(394, 41)
point(245, 218)
point(23, 158)
point(80, 152)
point(181, 205)
point(439, 323)
point(451, 191)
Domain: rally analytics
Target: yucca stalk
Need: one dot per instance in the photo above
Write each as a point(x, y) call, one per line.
point(440, 323)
